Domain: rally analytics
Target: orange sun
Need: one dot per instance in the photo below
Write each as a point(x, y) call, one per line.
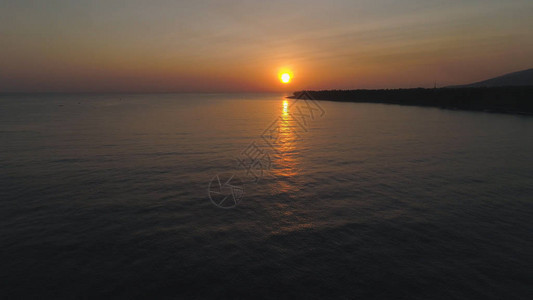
point(285, 77)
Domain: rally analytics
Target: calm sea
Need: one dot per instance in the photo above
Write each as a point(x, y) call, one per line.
point(112, 196)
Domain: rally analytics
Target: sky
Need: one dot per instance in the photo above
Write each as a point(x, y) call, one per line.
point(241, 46)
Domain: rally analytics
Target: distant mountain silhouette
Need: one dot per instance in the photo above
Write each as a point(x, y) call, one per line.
point(510, 93)
point(520, 78)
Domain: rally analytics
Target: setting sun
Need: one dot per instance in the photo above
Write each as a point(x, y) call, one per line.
point(285, 77)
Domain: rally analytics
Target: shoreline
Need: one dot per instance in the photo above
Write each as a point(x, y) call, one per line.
point(508, 100)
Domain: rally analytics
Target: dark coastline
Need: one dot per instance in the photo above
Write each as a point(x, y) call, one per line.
point(513, 100)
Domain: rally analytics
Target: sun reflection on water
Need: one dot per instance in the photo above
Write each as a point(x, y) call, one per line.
point(287, 163)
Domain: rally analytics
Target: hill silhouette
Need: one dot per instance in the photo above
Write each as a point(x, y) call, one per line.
point(520, 78)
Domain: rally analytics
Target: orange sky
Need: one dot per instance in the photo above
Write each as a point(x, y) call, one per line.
point(218, 46)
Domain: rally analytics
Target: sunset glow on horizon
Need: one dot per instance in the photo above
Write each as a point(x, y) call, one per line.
point(212, 46)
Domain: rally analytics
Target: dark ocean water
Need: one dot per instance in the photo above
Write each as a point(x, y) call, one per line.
point(107, 196)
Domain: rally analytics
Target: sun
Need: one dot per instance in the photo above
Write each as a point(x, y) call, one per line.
point(285, 77)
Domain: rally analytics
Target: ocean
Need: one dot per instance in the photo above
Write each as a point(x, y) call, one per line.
point(245, 196)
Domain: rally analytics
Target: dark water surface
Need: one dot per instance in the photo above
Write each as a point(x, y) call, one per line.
point(106, 196)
